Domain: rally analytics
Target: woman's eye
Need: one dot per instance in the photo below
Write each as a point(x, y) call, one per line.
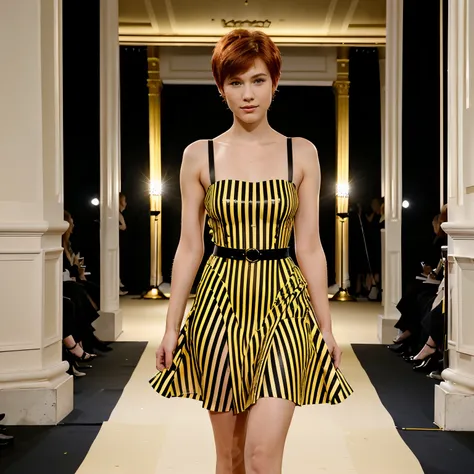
point(234, 83)
point(259, 81)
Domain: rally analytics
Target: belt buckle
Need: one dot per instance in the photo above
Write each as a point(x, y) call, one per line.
point(252, 255)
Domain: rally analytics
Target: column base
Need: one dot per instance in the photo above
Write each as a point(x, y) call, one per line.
point(386, 331)
point(453, 411)
point(109, 325)
point(38, 406)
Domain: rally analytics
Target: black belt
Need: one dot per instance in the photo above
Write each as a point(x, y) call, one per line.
point(251, 255)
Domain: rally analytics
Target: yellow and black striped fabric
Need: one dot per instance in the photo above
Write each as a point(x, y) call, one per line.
point(251, 331)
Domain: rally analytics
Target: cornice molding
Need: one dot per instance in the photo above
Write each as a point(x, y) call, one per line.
point(39, 228)
point(459, 231)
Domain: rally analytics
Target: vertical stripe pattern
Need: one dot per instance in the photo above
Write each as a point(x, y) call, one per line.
point(251, 331)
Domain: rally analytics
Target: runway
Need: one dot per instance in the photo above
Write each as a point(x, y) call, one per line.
point(148, 434)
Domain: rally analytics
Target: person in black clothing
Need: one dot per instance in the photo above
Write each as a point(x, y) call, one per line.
point(78, 290)
point(419, 297)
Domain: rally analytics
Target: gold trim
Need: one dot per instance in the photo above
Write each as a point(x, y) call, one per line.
point(211, 40)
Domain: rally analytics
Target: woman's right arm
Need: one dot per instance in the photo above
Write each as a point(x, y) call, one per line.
point(190, 249)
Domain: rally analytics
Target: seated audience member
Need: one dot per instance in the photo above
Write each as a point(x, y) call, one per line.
point(429, 355)
point(122, 228)
point(74, 263)
point(75, 330)
point(420, 295)
point(77, 291)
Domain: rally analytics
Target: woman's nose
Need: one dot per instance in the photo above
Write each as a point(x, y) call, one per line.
point(248, 92)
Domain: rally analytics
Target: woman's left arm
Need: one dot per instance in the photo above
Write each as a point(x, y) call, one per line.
point(309, 251)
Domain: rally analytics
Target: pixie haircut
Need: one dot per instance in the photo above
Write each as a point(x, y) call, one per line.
point(237, 51)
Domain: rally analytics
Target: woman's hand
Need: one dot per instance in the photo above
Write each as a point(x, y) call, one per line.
point(336, 353)
point(427, 269)
point(165, 352)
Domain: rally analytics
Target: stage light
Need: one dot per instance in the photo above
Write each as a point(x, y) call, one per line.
point(405, 204)
point(95, 202)
point(155, 188)
point(342, 190)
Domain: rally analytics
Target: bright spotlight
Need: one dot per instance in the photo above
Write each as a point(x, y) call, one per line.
point(155, 188)
point(95, 202)
point(405, 204)
point(342, 190)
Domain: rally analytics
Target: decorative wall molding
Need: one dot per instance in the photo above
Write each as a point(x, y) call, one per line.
point(34, 228)
point(302, 66)
point(459, 231)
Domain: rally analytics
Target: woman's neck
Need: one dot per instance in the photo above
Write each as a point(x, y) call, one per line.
point(254, 132)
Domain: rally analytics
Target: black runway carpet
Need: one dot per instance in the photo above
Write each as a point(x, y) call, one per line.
point(409, 398)
point(61, 449)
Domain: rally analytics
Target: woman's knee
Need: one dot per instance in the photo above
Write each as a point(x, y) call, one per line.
point(259, 458)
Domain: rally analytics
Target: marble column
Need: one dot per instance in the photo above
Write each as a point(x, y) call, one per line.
point(109, 325)
point(454, 398)
point(341, 88)
point(392, 166)
point(34, 386)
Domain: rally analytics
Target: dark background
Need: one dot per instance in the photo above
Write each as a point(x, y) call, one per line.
point(297, 111)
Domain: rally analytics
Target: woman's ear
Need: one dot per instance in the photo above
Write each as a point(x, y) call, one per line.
point(275, 87)
point(221, 92)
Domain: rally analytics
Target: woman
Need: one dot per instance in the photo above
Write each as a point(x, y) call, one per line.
point(250, 349)
point(84, 294)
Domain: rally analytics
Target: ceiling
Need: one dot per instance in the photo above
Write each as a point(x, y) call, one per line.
point(291, 22)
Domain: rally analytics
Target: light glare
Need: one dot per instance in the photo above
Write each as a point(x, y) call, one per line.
point(342, 190)
point(95, 202)
point(155, 188)
point(405, 204)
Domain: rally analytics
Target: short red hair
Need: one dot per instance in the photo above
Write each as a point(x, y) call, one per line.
point(237, 51)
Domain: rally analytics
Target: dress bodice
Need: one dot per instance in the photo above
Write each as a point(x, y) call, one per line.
point(245, 214)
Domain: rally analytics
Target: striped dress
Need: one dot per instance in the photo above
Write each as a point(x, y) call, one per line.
point(251, 331)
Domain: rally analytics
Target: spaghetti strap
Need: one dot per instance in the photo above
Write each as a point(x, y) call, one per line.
point(212, 173)
point(289, 145)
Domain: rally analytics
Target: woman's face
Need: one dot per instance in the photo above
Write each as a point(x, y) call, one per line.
point(250, 94)
point(375, 205)
point(122, 203)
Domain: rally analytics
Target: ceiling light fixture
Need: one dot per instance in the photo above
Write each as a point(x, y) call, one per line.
point(246, 23)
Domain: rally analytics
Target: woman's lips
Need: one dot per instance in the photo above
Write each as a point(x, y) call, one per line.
point(249, 109)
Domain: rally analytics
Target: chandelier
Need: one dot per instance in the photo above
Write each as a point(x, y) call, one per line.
point(246, 23)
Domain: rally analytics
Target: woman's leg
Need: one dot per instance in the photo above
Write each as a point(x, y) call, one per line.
point(267, 427)
point(229, 437)
point(428, 349)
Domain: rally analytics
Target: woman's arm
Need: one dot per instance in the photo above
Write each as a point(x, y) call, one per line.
point(190, 249)
point(309, 251)
point(122, 225)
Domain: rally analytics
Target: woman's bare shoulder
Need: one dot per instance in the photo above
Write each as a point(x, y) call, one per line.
point(195, 154)
point(305, 147)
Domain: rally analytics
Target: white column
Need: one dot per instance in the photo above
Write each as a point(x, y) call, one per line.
point(381, 52)
point(454, 398)
point(392, 171)
point(34, 385)
point(109, 325)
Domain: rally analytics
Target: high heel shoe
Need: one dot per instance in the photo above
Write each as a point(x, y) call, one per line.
point(399, 347)
point(428, 363)
point(100, 345)
point(85, 355)
point(74, 371)
point(425, 365)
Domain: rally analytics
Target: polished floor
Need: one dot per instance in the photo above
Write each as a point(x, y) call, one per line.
point(148, 434)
